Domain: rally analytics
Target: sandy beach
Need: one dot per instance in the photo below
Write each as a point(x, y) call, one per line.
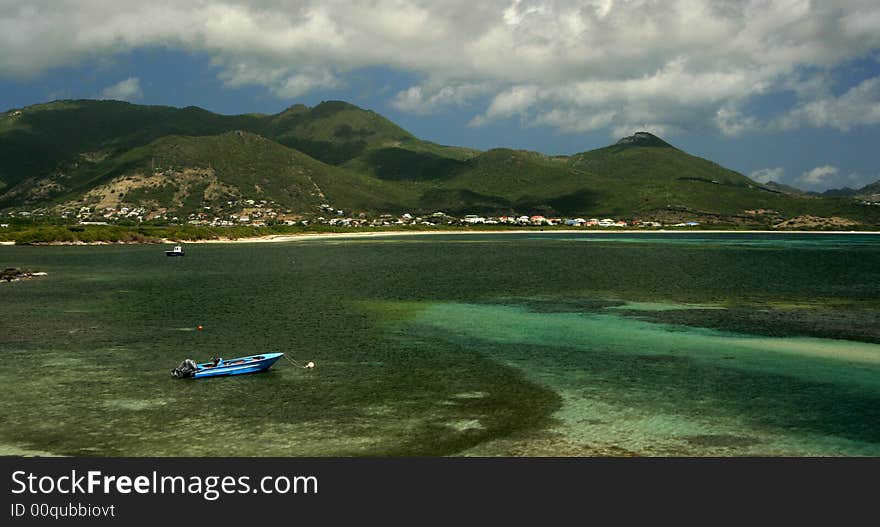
point(275, 238)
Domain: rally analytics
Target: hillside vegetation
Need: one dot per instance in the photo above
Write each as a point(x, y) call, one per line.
point(68, 154)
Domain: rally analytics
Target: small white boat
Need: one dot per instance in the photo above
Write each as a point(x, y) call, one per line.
point(176, 251)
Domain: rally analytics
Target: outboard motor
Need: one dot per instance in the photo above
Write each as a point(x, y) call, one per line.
point(186, 369)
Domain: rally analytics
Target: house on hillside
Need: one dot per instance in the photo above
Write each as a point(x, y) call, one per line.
point(538, 220)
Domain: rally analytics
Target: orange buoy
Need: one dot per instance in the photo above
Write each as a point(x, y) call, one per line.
point(200, 327)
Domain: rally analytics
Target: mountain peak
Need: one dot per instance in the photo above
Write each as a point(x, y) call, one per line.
point(643, 139)
point(296, 109)
point(332, 107)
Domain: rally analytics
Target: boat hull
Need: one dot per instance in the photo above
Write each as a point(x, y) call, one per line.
point(238, 366)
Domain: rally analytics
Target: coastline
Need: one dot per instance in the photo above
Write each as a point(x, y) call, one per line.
point(304, 236)
point(275, 238)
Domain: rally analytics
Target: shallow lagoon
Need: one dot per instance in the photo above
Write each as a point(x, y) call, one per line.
point(517, 344)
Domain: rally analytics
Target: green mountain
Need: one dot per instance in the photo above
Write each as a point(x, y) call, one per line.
point(836, 192)
point(35, 140)
point(209, 170)
point(785, 189)
point(110, 154)
point(643, 173)
point(869, 192)
point(336, 132)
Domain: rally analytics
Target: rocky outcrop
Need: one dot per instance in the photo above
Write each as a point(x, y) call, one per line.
point(13, 274)
point(815, 222)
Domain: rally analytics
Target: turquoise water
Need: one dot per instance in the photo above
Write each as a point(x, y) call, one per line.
point(513, 345)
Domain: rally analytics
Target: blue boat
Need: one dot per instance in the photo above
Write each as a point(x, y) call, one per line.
point(241, 365)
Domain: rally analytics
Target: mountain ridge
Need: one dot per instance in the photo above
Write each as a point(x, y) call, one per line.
point(869, 191)
point(59, 155)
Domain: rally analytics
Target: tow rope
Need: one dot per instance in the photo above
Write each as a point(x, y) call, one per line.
point(307, 366)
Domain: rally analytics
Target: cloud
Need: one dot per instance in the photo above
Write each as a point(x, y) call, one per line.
point(858, 106)
point(766, 175)
point(126, 90)
point(569, 64)
point(819, 176)
point(516, 100)
point(732, 122)
point(282, 82)
point(428, 99)
point(573, 121)
point(828, 176)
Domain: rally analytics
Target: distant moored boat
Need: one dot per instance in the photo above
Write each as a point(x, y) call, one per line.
point(176, 251)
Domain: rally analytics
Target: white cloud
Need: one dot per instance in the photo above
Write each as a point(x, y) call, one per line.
point(860, 105)
point(817, 179)
point(574, 121)
point(514, 101)
point(854, 180)
point(679, 64)
point(766, 175)
point(126, 90)
point(819, 176)
point(427, 99)
point(732, 122)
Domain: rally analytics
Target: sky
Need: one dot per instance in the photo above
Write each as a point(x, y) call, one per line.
point(785, 90)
